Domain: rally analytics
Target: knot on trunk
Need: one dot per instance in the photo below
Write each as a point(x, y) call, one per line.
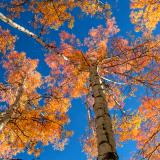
point(111, 156)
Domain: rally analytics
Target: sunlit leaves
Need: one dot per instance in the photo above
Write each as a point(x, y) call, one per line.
point(145, 14)
point(113, 97)
point(79, 87)
point(74, 80)
point(130, 64)
point(98, 38)
point(19, 67)
point(31, 126)
point(16, 7)
point(6, 41)
point(142, 127)
point(54, 13)
point(129, 128)
point(90, 146)
point(26, 122)
point(58, 104)
point(31, 119)
point(148, 138)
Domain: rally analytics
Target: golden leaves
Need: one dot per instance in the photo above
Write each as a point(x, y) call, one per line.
point(116, 64)
point(28, 127)
point(136, 63)
point(147, 16)
point(58, 104)
point(149, 132)
point(16, 7)
point(21, 73)
point(90, 146)
point(98, 39)
point(142, 127)
point(28, 122)
point(149, 107)
point(6, 41)
point(68, 133)
point(18, 67)
point(78, 58)
point(80, 88)
point(53, 14)
point(129, 128)
point(74, 69)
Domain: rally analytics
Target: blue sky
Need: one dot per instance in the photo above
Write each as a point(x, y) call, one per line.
point(77, 113)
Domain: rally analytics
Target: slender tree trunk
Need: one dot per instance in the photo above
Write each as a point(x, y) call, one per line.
point(105, 137)
point(7, 115)
point(4, 119)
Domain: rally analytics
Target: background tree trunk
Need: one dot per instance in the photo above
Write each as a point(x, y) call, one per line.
point(105, 137)
point(4, 118)
point(7, 115)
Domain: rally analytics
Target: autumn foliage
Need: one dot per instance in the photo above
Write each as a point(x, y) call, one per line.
point(131, 64)
point(6, 41)
point(28, 122)
point(53, 14)
point(34, 107)
point(145, 14)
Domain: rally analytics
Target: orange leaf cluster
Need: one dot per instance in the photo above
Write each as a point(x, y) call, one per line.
point(74, 81)
point(136, 63)
point(142, 127)
point(97, 40)
point(31, 117)
point(145, 14)
point(28, 123)
point(6, 41)
point(148, 140)
point(54, 13)
point(129, 128)
point(72, 65)
point(90, 147)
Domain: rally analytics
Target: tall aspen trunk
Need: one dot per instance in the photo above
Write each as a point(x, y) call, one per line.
point(105, 137)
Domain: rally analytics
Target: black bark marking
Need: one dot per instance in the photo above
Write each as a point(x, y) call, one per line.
point(110, 156)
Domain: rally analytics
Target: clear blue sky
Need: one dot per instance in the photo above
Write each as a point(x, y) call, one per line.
point(73, 151)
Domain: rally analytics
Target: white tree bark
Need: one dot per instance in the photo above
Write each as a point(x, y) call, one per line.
point(105, 137)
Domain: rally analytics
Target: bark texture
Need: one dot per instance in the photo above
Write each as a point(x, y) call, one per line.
point(6, 116)
point(105, 137)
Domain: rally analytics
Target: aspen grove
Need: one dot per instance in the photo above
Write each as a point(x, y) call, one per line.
point(103, 68)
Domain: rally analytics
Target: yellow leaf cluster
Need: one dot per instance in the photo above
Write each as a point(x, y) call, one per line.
point(6, 41)
point(28, 122)
point(30, 127)
point(59, 104)
point(149, 133)
point(80, 88)
point(129, 128)
point(147, 16)
point(90, 147)
point(54, 13)
point(149, 107)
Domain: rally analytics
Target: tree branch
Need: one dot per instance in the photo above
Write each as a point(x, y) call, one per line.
point(24, 30)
